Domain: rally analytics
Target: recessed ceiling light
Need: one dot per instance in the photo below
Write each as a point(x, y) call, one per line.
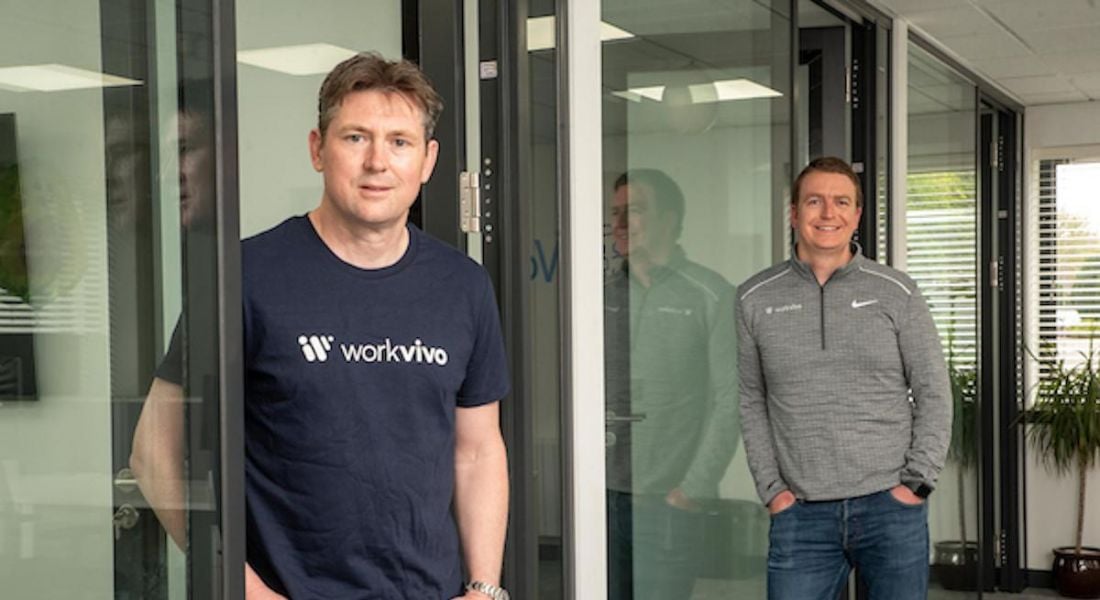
point(541, 33)
point(704, 93)
point(305, 59)
point(57, 78)
point(653, 92)
point(742, 89)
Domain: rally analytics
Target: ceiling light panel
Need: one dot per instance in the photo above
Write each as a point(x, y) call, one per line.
point(57, 78)
point(305, 59)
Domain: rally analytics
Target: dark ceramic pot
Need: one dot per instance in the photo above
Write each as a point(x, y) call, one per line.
point(956, 567)
point(1077, 575)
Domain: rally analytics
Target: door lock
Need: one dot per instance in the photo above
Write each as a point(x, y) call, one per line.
point(125, 518)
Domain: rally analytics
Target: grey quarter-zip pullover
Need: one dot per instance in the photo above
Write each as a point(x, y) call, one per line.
point(843, 386)
point(670, 356)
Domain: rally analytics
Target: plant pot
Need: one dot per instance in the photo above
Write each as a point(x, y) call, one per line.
point(1077, 575)
point(956, 567)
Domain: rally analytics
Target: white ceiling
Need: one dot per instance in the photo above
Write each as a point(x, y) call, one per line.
point(1041, 51)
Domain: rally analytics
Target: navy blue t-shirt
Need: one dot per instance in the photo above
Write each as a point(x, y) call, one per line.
point(352, 379)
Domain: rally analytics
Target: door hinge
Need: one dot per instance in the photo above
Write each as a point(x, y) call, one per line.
point(848, 85)
point(469, 195)
point(994, 274)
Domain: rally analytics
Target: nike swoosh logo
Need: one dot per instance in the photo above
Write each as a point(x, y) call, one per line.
point(858, 304)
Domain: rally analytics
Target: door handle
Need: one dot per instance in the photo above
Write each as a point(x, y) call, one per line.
point(125, 480)
point(611, 417)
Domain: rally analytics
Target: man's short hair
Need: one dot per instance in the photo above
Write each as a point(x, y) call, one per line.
point(369, 71)
point(828, 164)
point(666, 193)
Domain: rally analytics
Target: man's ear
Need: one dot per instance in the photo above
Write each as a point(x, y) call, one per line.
point(315, 143)
point(792, 215)
point(432, 151)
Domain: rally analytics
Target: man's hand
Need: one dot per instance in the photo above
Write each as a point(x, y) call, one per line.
point(676, 498)
point(903, 494)
point(256, 589)
point(782, 501)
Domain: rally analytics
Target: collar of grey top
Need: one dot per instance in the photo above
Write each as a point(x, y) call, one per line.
point(806, 272)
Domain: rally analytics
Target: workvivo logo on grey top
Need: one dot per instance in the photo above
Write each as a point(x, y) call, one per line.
point(317, 348)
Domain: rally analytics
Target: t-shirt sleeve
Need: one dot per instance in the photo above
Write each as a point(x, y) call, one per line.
point(487, 377)
point(170, 368)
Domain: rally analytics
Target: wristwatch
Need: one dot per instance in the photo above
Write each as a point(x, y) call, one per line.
point(919, 489)
point(493, 591)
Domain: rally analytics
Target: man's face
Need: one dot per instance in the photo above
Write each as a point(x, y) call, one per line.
point(196, 170)
point(826, 214)
point(637, 223)
point(374, 158)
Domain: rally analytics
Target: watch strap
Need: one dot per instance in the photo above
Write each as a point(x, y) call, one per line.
point(919, 488)
point(493, 591)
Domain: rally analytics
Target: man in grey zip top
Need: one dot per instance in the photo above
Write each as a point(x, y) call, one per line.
point(845, 404)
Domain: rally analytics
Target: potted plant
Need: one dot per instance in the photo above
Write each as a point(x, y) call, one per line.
point(957, 560)
point(1063, 425)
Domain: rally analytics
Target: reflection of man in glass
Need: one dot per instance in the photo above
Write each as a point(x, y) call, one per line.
point(670, 359)
point(159, 446)
point(845, 404)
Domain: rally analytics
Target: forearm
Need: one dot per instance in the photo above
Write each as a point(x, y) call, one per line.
point(716, 448)
point(753, 411)
point(926, 372)
point(481, 508)
point(760, 448)
point(157, 458)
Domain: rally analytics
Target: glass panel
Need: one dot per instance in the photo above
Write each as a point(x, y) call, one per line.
point(824, 110)
point(882, 143)
point(942, 257)
point(696, 147)
point(281, 65)
point(543, 295)
point(106, 209)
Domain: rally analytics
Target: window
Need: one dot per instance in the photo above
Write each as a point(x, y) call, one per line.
point(1065, 278)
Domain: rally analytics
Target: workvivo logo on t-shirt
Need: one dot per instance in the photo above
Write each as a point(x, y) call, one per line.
point(317, 348)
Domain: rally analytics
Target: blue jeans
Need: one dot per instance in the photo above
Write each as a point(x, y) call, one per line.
point(814, 545)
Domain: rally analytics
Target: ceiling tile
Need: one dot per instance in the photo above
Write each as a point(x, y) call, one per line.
point(1089, 82)
point(953, 21)
point(1072, 63)
point(904, 7)
point(1046, 84)
point(1018, 66)
point(1055, 98)
point(1029, 15)
point(975, 48)
point(1066, 39)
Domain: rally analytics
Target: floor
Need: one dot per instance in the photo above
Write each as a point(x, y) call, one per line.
point(753, 587)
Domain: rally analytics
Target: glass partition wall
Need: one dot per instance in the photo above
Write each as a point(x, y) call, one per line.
point(941, 255)
point(696, 164)
point(110, 265)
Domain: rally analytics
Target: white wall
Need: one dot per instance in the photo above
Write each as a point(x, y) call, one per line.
point(55, 463)
point(1052, 500)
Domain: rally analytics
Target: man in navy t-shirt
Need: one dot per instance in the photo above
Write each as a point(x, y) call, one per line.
point(374, 364)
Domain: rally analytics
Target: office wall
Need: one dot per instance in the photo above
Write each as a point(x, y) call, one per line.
point(1052, 500)
point(55, 456)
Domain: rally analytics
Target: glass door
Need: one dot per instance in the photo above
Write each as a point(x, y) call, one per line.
point(696, 165)
point(942, 254)
point(115, 397)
